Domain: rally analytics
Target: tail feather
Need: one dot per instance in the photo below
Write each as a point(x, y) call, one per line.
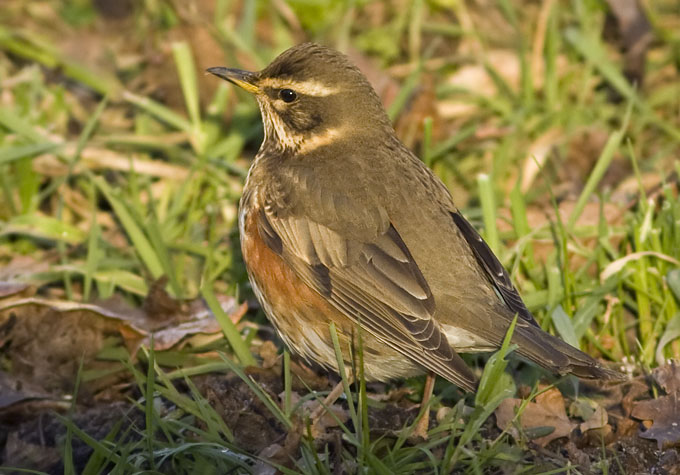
point(558, 356)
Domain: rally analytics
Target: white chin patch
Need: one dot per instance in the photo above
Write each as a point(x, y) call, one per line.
point(465, 341)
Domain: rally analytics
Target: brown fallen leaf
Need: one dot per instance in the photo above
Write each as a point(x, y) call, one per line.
point(44, 343)
point(269, 354)
point(593, 414)
point(542, 420)
point(596, 428)
point(136, 325)
point(12, 289)
point(13, 391)
point(626, 428)
point(333, 416)
point(45, 339)
point(668, 376)
point(663, 411)
point(21, 266)
point(279, 454)
point(636, 389)
point(597, 420)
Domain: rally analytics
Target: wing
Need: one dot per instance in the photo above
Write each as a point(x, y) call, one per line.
point(493, 268)
point(377, 284)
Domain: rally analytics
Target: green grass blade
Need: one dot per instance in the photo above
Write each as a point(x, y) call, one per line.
point(149, 395)
point(159, 111)
point(228, 328)
point(486, 196)
point(187, 77)
point(343, 374)
point(141, 243)
point(13, 153)
point(596, 175)
point(564, 326)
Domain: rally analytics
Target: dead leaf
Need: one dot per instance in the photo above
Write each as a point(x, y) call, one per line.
point(306, 378)
point(626, 428)
point(333, 416)
point(168, 337)
point(279, 454)
point(136, 324)
point(597, 420)
point(269, 354)
point(12, 289)
point(668, 376)
point(160, 308)
point(636, 389)
point(616, 266)
point(13, 391)
point(45, 345)
point(44, 339)
point(166, 321)
point(20, 266)
point(596, 427)
point(663, 411)
point(542, 421)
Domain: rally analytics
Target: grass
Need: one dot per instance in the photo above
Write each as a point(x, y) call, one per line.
point(114, 188)
point(183, 432)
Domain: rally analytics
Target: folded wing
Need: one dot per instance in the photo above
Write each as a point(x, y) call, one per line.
point(376, 283)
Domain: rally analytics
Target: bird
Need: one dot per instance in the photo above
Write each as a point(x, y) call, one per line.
point(340, 223)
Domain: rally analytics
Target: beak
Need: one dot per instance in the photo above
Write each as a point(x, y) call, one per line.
point(243, 79)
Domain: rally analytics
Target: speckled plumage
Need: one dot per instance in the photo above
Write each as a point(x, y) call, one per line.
point(341, 223)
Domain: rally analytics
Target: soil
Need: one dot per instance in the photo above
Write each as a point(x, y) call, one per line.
point(35, 439)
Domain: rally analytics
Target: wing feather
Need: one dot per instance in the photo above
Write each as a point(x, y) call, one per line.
point(439, 357)
point(377, 284)
point(493, 268)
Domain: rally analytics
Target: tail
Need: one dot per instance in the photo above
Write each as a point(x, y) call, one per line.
point(558, 356)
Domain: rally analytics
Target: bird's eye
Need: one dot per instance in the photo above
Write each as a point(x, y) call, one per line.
point(287, 95)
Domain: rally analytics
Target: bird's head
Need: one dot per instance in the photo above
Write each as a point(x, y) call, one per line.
point(311, 96)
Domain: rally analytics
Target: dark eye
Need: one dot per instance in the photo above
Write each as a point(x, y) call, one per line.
point(287, 95)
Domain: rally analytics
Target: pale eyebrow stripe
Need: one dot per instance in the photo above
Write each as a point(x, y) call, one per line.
point(309, 88)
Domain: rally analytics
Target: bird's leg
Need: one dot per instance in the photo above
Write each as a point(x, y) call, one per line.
point(333, 396)
point(420, 431)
